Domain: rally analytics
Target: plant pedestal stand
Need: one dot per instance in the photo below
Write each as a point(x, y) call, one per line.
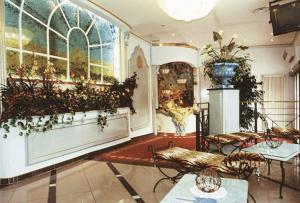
point(224, 112)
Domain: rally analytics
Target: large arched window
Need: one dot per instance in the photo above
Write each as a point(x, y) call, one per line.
point(56, 33)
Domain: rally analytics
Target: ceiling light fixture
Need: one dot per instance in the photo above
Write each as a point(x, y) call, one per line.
point(187, 10)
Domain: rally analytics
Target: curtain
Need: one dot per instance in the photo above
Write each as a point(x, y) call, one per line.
point(278, 100)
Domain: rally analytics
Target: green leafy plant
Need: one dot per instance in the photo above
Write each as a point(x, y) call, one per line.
point(24, 98)
point(243, 80)
point(223, 53)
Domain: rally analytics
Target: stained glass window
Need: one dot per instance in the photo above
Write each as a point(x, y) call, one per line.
point(74, 40)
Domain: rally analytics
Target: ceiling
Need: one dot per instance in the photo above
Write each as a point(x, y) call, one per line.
point(232, 16)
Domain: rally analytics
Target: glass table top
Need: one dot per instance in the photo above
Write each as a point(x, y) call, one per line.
point(284, 152)
point(237, 191)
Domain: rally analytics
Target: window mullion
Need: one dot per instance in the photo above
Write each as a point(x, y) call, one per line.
point(20, 31)
point(65, 17)
point(78, 18)
point(90, 27)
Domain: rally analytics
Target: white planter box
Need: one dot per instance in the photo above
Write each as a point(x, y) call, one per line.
point(23, 154)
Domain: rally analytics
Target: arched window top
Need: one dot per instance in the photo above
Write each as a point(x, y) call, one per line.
point(105, 30)
point(69, 10)
point(40, 9)
point(93, 35)
point(44, 31)
point(85, 21)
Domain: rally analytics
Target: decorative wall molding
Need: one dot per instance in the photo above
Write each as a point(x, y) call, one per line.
point(138, 36)
point(138, 63)
point(185, 45)
point(21, 155)
point(86, 134)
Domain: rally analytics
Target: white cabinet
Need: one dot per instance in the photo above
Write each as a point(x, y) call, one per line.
point(224, 111)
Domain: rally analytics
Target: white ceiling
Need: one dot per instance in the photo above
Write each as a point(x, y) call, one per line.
point(231, 16)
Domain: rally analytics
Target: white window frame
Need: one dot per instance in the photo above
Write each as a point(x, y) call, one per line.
point(59, 5)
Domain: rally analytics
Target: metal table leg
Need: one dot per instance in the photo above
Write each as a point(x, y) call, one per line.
point(282, 179)
point(269, 161)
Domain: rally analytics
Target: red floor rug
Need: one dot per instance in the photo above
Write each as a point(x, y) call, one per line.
point(136, 151)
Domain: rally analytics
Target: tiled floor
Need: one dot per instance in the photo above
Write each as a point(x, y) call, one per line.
point(93, 181)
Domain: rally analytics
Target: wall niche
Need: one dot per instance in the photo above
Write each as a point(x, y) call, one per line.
point(176, 92)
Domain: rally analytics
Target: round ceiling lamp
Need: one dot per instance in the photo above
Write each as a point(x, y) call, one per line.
point(187, 10)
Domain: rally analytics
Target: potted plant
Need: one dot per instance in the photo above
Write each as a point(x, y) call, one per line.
point(226, 66)
point(223, 61)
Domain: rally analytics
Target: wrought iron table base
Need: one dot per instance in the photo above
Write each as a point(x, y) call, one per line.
point(282, 179)
point(167, 177)
point(269, 161)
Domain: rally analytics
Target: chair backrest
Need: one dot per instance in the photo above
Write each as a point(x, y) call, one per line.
point(243, 164)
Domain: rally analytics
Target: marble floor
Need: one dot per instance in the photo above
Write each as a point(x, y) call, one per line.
point(94, 181)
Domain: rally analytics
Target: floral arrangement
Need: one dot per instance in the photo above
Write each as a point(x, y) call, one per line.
point(24, 98)
point(223, 53)
point(242, 80)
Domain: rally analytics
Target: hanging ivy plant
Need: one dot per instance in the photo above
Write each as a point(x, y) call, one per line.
point(24, 98)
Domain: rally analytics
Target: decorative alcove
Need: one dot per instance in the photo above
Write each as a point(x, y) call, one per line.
point(176, 92)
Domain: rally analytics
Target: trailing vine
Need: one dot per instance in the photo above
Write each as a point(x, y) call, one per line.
point(24, 98)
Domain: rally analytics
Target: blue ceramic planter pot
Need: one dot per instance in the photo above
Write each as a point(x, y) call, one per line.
point(224, 72)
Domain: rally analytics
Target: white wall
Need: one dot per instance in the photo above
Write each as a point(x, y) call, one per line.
point(133, 42)
point(166, 54)
point(268, 61)
point(297, 53)
point(297, 39)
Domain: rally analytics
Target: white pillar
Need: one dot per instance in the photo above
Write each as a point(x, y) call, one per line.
point(224, 111)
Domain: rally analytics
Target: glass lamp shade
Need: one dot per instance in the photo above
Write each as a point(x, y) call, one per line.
point(165, 70)
point(181, 81)
point(167, 92)
point(187, 10)
point(208, 180)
